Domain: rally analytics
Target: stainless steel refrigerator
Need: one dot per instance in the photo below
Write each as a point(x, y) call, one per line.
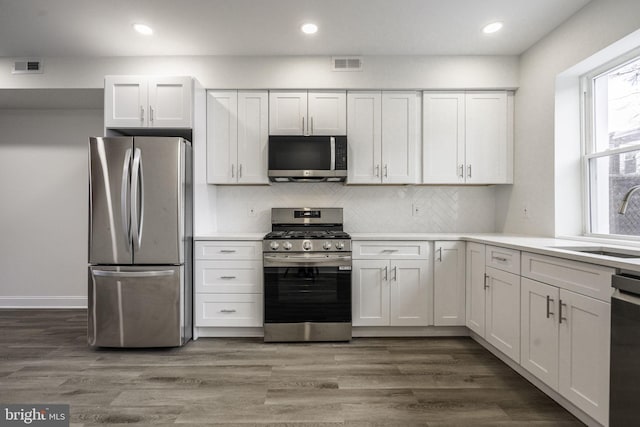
point(140, 242)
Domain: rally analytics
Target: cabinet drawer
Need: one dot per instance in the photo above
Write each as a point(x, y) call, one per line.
point(503, 259)
point(587, 279)
point(228, 277)
point(229, 310)
point(390, 250)
point(229, 250)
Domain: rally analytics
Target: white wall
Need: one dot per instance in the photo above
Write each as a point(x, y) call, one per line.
point(43, 218)
point(596, 26)
point(263, 72)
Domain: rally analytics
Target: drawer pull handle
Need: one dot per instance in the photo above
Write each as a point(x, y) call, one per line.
point(390, 250)
point(499, 258)
point(224, 310)
point(227, 251)
point(227, 277)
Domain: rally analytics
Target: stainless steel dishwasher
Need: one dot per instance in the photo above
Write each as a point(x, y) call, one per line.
point(625, 351)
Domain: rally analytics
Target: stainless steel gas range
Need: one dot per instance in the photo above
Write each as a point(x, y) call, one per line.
point(307, 276)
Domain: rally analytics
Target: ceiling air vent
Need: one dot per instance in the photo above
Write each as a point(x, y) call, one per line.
point(27, 66)
point(347, 63)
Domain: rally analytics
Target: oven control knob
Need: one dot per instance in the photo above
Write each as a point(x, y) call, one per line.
point(287, 245)
point(326, 246)
point(274, 245)
point(339, 245)
point(306, 245)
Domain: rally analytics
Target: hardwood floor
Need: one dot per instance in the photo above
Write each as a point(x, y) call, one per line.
point(367, 382)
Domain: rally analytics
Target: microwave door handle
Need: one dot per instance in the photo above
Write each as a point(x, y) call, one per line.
point(332, 143)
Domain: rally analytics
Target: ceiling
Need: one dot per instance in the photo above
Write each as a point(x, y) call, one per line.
point(46, 28)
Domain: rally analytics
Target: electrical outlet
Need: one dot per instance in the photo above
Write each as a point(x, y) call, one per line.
point(251, 211)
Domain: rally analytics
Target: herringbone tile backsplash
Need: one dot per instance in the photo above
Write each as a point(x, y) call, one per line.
point(367, 209)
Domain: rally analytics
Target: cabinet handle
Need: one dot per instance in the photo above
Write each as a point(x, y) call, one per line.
point(461, 171)
point(486, 278)
point(549, 301)
point(227, 277)
point(386, 272)
point(303, 132)
point(499, 258)
point(240, 171)
point(150, 113)
point(227, 251)
point(232, 171)
point(469, 171)
point(440, 254)
point(141, 113)
point(395, 273)
point(386, 171)
point(560, 317)
point(377, 171)
point(224, 310)
point(311, 125)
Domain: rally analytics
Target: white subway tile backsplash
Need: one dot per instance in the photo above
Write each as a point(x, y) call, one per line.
point(366, 208)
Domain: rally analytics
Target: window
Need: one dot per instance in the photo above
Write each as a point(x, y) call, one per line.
point(612, 142)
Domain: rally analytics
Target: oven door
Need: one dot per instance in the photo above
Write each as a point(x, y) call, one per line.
point(307, 288)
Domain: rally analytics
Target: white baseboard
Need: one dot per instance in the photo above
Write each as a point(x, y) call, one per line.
point(43, 302)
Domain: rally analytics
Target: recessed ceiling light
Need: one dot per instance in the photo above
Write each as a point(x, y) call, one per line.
point(492, 28)
point(143, 29)
point(309, 28)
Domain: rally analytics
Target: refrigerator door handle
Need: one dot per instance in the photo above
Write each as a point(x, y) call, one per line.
point(152, 273)
point(137, 185)
point(124, 208)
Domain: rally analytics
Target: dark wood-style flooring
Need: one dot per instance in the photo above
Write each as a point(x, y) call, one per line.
point(368, 382)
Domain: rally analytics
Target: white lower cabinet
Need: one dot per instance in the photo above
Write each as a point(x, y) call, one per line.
point(493, 302)
point(565, 343)
point(391, 291)
point(228, 282)
point(449, 284)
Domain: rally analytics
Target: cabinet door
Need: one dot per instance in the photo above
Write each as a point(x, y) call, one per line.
point(584, 353)
point(409, 293)
point(539, 331)
point(449, 284)
point(400, 137)
point(288, 113)
point(503, 312)
point(253, 136)
point(487, 144)
point(475, 283)
point(443, 138)
point(327, 112)
point(125, 102)
point(222, 136)
point(370, 293)
point(170, 102)
point(364, 133)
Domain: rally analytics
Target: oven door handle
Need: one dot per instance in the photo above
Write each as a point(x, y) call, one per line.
point(280, 261)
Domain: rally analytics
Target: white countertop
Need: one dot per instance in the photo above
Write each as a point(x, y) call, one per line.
point(540, 245)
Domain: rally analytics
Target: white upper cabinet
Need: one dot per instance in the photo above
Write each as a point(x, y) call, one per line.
point(364, 137)
point(148, 101)
point(307, 113)
point(444, 127)
point(237, 136)
point(468, 137)
point(384, 137)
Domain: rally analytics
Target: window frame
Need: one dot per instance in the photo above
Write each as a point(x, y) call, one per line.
point(588, 141)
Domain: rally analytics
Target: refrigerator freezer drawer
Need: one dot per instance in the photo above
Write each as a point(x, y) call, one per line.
point(137, 306)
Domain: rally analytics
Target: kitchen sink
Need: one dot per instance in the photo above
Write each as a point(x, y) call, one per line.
point(601, 250)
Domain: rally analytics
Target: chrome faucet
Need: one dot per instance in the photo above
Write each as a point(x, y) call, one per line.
point(625, 199)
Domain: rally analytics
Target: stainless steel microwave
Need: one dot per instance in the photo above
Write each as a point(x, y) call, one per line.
point(307, 158)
